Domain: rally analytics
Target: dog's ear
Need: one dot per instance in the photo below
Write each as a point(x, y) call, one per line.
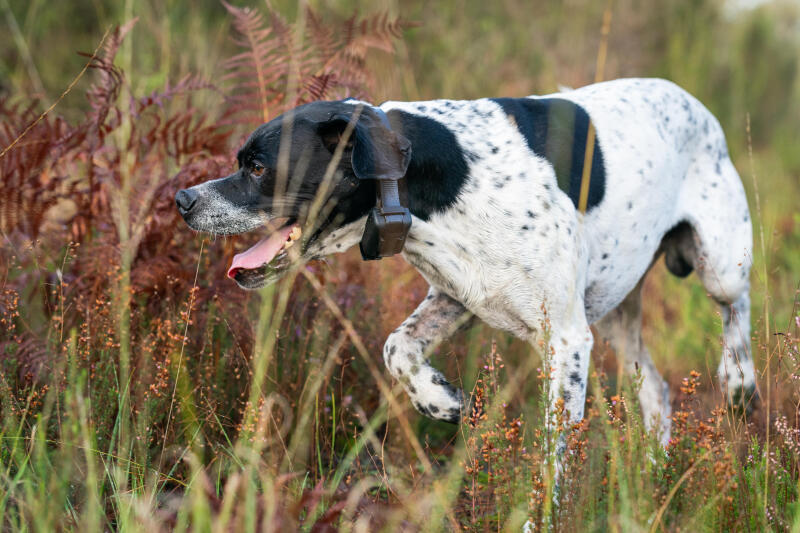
point(376, 152)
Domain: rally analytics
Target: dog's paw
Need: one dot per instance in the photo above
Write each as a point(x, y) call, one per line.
point(436, 398)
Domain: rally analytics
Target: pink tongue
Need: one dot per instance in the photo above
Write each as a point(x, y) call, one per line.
point(262, 253)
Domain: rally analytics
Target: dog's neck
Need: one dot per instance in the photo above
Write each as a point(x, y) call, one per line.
point(434, 179)
point(437, 171)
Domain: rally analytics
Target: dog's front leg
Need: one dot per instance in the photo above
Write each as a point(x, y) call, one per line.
point(570, 347)
point(406, 355)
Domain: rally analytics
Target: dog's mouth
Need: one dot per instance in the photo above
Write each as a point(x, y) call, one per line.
point(271, 251)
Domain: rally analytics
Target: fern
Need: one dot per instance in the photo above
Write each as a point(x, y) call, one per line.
point(31, 179)
point(331, 64)
point(344, 49)
point(60, 184)
point(257, 71)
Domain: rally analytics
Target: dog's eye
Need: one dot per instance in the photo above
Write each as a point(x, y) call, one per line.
point(258, 169)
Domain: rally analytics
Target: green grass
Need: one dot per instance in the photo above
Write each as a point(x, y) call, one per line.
point(150, 411)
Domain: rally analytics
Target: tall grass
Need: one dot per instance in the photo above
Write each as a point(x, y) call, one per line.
point(141, 391)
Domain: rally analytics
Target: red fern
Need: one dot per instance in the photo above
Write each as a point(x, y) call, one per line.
point(183, 87)
point(60, 183)
point(318, 86)
point(257, 72)
point(344, 48)
point(332, 62)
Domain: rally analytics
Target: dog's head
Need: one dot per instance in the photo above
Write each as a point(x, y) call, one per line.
point(300, 177)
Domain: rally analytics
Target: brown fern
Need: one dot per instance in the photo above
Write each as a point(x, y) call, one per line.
point(318, 86)
point(257, 72)
point(31, 179)
point(57, 187)
point(332, 63)
point(344, 48)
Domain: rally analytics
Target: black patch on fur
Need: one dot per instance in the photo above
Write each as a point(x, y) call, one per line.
point(438, 169)
point(557, 130)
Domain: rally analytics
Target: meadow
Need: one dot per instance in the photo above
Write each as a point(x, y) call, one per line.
point(141, 390)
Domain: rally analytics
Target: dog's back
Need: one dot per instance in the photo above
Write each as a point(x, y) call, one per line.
point(660, 161)
point(667, 166)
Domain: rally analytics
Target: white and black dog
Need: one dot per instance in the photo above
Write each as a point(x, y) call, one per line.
point(493, 186)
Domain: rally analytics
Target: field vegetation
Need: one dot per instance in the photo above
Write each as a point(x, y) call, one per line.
point(141, 390)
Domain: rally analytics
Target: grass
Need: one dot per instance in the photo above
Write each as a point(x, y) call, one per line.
point(140, 394)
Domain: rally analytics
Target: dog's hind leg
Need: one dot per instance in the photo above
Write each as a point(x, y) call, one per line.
point(406, 355)
point(622, 328)
point(718, 244)
point(736, 371)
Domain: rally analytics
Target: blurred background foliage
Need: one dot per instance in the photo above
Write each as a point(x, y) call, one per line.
point(736, 59)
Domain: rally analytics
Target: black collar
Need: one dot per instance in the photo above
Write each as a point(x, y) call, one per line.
point(389, 221)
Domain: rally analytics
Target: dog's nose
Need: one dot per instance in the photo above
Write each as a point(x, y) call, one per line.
point(185, 200)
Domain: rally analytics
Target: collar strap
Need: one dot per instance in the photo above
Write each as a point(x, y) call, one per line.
point(389, 221)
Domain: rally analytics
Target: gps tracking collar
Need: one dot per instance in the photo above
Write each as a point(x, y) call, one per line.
point(389, 221)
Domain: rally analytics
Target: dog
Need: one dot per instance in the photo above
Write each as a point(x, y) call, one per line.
point(524, 212)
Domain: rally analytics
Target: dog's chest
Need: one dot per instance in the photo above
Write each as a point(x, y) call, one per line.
point(501, 263)
point(475, 284)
